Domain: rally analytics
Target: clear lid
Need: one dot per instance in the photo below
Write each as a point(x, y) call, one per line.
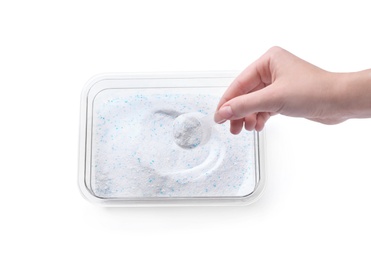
point(132, 140)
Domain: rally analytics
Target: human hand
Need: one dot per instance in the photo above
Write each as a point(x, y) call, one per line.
point(281, 83)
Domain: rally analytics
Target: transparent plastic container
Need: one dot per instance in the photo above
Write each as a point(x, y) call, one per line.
point(129, 156)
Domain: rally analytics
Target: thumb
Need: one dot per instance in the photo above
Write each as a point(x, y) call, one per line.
point(263, 100)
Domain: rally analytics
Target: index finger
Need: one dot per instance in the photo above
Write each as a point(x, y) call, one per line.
point(255, 76)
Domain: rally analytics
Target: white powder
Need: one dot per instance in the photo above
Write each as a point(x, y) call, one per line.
point(187, 131)
point(139, 149)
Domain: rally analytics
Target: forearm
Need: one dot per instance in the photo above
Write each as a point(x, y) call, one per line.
point(355, 91)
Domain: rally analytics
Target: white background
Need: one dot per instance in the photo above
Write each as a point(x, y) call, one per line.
point(317, 201)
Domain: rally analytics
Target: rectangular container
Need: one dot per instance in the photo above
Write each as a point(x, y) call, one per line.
point(128, 156)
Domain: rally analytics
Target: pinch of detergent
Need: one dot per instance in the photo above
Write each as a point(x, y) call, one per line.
point(190, 130)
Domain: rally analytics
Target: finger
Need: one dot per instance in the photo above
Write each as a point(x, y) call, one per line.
point(250, 122)
point(264, 100)
point(262, 118)
point(257, 75)
point(236, 126)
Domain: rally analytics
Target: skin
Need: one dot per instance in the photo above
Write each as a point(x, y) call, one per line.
point(281, 83)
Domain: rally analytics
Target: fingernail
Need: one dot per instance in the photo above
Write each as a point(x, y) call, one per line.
point(223, 115)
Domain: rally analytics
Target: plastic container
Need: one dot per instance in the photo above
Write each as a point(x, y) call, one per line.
point(128, 154)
